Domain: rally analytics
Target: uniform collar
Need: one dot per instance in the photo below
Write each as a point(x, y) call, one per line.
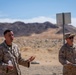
point(12, 46)
point(71, 46)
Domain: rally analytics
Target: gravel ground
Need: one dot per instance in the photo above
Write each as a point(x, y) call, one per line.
point(41, 70)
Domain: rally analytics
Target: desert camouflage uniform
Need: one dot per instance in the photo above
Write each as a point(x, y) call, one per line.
point(68, 53)
point(11, 53)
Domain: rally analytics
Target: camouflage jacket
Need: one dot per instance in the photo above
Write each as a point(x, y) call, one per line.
point(67, 53)
point(11, 53)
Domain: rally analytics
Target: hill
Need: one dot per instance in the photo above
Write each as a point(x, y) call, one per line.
point(27, 29)
point(22, 29)
point(67, 28)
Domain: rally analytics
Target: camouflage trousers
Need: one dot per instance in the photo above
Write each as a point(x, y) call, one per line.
point(69, 70)
point(4, 71)
point(9, 73)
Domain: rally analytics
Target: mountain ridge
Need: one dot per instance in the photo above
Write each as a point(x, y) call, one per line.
point(27, 29)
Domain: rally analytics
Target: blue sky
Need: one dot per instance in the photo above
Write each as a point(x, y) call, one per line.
point(35, 10)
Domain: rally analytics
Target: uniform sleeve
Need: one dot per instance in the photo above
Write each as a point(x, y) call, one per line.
point(3, 67)
point(22, 61)
point(1, 56)
point(62, 56)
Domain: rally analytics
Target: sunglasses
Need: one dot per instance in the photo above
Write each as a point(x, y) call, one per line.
point(71, 37)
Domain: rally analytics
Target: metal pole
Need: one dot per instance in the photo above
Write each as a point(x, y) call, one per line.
point(63, 28)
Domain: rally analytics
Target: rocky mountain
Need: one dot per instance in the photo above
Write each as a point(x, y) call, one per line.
point(26, 29)
point(67, 28)
point(23, 29)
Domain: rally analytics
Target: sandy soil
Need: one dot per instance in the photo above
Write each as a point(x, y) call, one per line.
point(42, 70)
point(46, 51)
point(48, 63)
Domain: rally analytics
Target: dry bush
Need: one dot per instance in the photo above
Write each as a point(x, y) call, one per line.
point(25, 48)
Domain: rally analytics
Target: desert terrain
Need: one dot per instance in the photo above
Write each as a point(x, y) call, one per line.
point(45, 47)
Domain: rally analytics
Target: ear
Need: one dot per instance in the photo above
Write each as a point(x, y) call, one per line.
point(5, 36)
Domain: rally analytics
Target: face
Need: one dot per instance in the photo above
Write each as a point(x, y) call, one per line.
point(9, 36)
point(70, 39)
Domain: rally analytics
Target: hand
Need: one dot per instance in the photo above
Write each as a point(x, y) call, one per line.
point(69, 63)
point(31, 58)
point(10, 67)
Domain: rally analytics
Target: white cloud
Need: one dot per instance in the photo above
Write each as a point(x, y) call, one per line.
point(40, 19)
point(74, 22)
point(36, 19)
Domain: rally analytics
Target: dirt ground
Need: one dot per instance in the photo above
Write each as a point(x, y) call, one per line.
point(45, 50)
point(42, 70)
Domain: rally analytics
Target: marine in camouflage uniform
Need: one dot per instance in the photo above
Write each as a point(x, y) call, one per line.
point(11, 52)
point(67, 56)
